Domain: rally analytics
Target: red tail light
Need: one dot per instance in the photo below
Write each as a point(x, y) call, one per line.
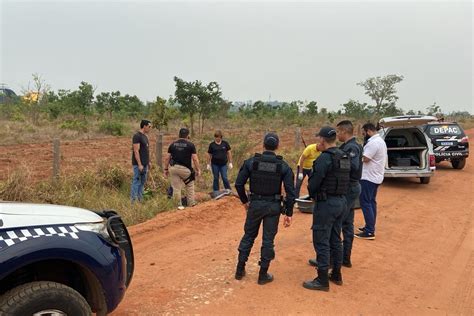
point(432, 161)
point(465, 139)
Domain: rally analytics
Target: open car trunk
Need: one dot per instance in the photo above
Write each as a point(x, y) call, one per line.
point(406, 148)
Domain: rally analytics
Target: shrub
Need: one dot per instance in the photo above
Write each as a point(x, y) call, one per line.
point(111, 176)
point(114, 128)
point(75, 125)
point(17, 187)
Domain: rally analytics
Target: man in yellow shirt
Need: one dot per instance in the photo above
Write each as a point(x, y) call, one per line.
point(305, 164)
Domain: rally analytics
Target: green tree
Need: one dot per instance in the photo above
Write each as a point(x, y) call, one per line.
point(187, 95)
point(159, 113)
point(355, 109)
point(131, 105)
point(312, 108)
point(209, 98)
point(108, 102)
point(78, 102)
point(382, 91)
point(35, 98)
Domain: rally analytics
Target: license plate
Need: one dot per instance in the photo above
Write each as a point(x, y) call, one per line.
point(447, 143)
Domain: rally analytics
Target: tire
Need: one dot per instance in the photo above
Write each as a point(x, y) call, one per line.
point(34, 297)
point(458, 164)
point(425, 180)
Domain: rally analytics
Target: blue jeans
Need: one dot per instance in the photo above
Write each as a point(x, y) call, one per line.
point(138, 182)
point(368, 204)
point(222, 170)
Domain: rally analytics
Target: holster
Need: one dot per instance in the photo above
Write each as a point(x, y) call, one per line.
point(191, 177)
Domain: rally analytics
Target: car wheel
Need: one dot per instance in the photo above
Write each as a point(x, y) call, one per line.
point(459, 163)
point(43, 298)
point(425, 180)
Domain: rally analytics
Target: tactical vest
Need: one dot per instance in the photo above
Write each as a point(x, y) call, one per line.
point(337, 179)
point(355, 174)
point(266, 175)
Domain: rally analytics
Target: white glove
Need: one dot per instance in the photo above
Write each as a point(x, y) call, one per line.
point(208, 167)
point(300, 176)
point(231, 165)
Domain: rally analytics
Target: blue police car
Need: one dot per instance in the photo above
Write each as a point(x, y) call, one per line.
point(59, 260)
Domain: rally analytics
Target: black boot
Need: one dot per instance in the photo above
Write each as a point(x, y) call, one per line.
point(346, 262)
point(313, 262)
point(240, 271)
point(321, 283)
point(264, 277)
point(336, 276)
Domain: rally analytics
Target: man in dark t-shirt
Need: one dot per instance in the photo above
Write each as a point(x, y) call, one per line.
point(140, 160)
point(219, 154)
point(178, 165)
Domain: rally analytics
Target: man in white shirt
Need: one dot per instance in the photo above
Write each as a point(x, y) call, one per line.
point(374, 159)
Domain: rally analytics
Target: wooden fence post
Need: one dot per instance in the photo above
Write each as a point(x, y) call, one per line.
point(159, 150)
point(56, 158)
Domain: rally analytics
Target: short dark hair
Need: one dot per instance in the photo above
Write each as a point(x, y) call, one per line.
point(330, 140)
point(218, 133)
point(183, 132)
point(270, 146)
point(347, 126)
point(369, 127)
point(144, 123)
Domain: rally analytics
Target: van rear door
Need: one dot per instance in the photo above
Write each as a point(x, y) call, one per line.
point(406, 121)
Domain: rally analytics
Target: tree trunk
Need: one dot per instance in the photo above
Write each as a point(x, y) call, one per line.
point(191, 118)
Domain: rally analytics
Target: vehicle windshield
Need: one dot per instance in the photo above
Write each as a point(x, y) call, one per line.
point(451, 130)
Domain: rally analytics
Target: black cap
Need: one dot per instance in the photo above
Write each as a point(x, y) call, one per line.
point(271, 139)
point(326, 132)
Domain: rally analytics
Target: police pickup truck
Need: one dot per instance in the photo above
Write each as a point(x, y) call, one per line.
point(449, 143)
point(59, 260)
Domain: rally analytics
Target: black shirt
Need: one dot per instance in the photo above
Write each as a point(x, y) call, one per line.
point(287, 179)
point(219, 152)
point(354, 150)
point(181, 152)
point(140, 138)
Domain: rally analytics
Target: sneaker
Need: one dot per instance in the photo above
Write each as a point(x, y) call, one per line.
point(361, 229)
point(220, 194)
point(365, 235)
point(180, 207)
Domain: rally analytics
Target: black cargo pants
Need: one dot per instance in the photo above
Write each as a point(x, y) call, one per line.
point(327, 222)
point(268, 213)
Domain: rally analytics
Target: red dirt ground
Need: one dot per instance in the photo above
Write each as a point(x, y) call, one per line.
point(421, 262)
point(85, 154)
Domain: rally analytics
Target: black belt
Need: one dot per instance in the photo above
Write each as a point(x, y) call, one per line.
point(274, 198)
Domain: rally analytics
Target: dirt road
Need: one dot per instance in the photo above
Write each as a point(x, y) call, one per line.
point(421, 262)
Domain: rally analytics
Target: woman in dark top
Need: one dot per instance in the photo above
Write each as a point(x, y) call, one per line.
point(219, 155)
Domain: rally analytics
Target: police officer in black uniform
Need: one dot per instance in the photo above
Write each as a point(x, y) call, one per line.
point(345, 134)
point(266, 171)
point(328, 186)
